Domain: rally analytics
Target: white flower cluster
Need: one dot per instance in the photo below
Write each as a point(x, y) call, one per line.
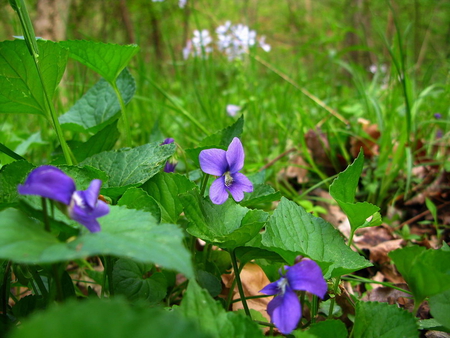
point(233, 40)
point(199, 45)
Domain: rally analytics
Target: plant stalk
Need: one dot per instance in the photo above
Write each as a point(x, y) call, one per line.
point(239, 283)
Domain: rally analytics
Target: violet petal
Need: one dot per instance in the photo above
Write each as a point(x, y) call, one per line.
point(235, 155)
point(213, 161)
point(307, 276)
point(240, 185)
point(217, 192)
point(271, 289)
point(50, 182)
point(286, 311)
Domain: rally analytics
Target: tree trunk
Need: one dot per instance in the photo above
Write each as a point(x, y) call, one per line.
point(51, 20)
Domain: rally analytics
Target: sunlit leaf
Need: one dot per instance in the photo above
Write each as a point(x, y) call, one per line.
point(129, 167)
point(125, 233)
point(21, 90)
point(292, 231)
point(99, 106)
point(106, 59)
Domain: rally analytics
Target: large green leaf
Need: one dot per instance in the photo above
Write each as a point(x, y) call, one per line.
point(228, 225)
point(211, 317)
point(136, 198)
point(20, 87)
point(106, 59)
point(112, 318)
point(292, 231)
point(129, 167)
point(343, 190)
point(125, 233)
point(133, 280)
point(165, 189)
point(427, 272)
point(381, 320)
point(99, 106)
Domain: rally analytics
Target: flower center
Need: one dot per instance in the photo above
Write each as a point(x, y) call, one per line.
point(228, 178)
point(78, 200)
point(282, 285)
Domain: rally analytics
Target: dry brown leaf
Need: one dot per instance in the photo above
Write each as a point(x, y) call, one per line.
point(253, 279)
point(366, 142)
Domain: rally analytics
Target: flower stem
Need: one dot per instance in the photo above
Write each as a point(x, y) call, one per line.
point(125, 123)
point(57, 280)
point(5, 287)
point(239, 282)
point(30, 40)
point(333, 300)
point(45, 214)
point(204, 184)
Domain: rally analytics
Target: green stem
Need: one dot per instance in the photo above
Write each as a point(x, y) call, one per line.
point(239, 283)
point(40, 284)
point(45, 214)
point(57, 280)
point(314, 309)
point(30, 40)
point(204, 184)
point(4, 291)
point(125, 122)
point(333, 300)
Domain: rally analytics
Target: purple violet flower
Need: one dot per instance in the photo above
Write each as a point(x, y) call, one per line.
point(226, 165)
point(82, 206)
point(285, 309)
point(171, 163)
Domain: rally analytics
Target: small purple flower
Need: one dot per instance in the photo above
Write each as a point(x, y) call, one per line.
point(82, 206)
point(437, 116)
point(285, 309)
point(226, 165)
point(171, 163)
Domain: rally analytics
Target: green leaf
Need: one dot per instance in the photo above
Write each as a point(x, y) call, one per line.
point(329, 329)
point(104, 140)
point(136, 198)
point(125, 233)
point(133, 280)
point(20, 87)
point(343, 190)
point(212, 318)
point(427, 272)
point(12, 175)
point(99, 106)
point(165, 189)
point(228, 225)
point(292, 231)
point(381, 320)
point(262, 194)
point(440, 307)
point(106, 59)
point(129, 167)
point(112, 318)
